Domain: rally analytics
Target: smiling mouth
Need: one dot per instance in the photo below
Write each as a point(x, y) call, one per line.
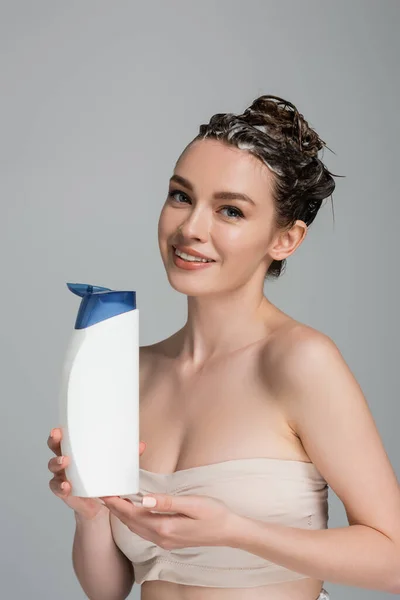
point(190, 257)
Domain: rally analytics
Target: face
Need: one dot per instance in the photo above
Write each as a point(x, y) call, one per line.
point(235, 233)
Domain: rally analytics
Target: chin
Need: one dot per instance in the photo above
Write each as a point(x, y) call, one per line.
point(189, 288)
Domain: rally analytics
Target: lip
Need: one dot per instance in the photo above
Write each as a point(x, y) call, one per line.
point(192, 252)
point(190, 265)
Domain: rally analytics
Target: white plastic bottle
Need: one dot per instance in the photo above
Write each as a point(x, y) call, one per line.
point(99, 396)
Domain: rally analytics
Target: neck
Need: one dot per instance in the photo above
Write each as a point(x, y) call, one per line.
point(220, 324)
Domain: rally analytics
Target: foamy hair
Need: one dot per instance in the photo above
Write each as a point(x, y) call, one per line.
point(273, 130)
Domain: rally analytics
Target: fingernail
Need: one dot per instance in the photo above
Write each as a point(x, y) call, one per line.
point(149, 501)
point(60, 459)
point(63, 485)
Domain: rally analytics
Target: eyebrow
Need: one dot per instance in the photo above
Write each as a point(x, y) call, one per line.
point(219, 195)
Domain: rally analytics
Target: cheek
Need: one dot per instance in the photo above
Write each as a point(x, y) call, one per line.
point(242, 246)
point(162, 235)
point(168, 221)
point(242, 254)
point(164, 225)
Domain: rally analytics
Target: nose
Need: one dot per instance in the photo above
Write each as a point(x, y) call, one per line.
point(195, 226)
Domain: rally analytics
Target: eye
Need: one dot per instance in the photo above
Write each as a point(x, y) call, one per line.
point(173, 193)
point(238, 213)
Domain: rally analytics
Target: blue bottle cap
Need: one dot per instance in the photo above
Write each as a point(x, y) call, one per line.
point(100, 303)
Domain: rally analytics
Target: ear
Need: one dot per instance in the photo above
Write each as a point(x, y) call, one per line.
point(287, 241)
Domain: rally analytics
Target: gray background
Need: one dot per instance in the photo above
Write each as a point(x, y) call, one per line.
point(98, 99)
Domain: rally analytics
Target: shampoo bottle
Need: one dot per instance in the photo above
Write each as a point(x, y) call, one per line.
point(99, 395)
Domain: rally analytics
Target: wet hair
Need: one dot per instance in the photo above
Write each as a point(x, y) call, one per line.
point(273, 130)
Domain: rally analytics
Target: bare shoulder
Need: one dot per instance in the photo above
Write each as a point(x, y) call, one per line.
point(152, 354)
point(148, 355)
point(289, 359)
point(289, 343)
point(329, 412)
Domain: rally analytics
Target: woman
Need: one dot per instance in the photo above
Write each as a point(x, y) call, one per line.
point(247, 414)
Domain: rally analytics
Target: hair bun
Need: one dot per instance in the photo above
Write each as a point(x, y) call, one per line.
point(281, 120)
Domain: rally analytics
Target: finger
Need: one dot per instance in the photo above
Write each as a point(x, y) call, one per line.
point(54, 441)
point(59, 487)
point(142, 447)
point(58, 464)
point(189, 505)
point(122, 508)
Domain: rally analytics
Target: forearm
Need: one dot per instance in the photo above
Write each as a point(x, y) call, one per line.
point(101, 568)
point(355, 555)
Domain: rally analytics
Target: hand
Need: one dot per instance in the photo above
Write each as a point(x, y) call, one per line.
point(198, 520)
point(85, 507)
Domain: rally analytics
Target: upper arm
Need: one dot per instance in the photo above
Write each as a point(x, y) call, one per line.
point(331, 416)
point(128, 580)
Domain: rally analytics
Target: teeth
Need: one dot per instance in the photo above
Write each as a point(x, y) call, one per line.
point(190, 258)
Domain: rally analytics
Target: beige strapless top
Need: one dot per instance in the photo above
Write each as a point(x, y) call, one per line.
point(289, 492)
